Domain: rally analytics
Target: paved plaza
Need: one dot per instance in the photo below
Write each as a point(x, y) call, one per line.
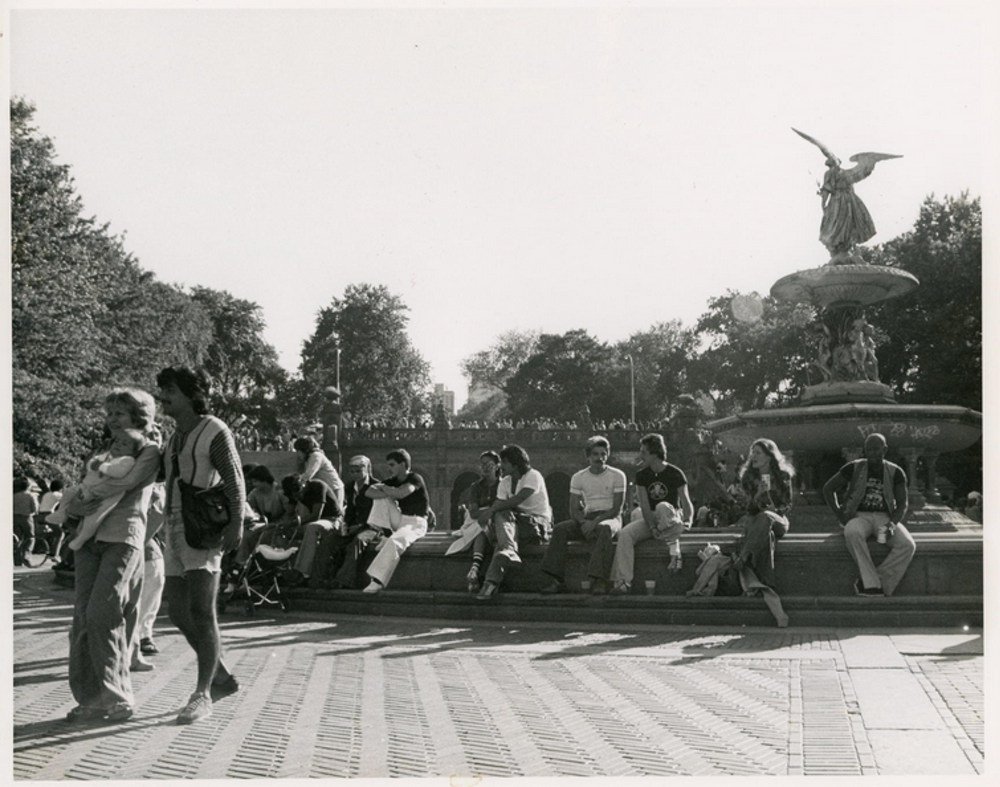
point(344, 696)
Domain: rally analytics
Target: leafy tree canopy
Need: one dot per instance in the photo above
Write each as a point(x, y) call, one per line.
point(381, 373)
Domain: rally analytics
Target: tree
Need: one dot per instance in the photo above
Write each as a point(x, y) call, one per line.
point(934, 350)
point(566, 373)
point(84, 315)
point(661, 356)
point(382, 374)
point(489, 370)
point(933, 353)
point(750, 365)
point(243, 366)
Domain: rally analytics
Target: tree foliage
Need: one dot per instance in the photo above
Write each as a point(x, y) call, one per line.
point(750, 365)
point(85, 317)
point(567, 373)
point(933, 354)
point(662, 356)
point(489, 370)
point(381, 373)
point(243, 366)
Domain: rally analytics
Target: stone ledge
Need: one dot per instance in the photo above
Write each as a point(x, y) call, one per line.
point(848, 611)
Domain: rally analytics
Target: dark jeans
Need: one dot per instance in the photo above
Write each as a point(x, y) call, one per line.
point(602, 553)
point(350, 556)
point(760, 531)
point(107, 586)
point(508, 531)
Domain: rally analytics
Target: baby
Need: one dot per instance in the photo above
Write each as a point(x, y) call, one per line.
point(116, 463)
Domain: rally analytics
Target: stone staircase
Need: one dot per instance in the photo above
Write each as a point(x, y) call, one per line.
point(942, 588)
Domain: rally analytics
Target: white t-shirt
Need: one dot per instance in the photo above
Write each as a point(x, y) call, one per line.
point(598, 489)
point(537, 503)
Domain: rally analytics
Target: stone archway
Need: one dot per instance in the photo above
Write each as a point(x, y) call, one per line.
point(459, 485)
point(557, 485)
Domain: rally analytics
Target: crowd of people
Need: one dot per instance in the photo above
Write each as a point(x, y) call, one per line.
point(138, 530)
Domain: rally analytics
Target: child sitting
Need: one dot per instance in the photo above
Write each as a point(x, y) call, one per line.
point(115, 463)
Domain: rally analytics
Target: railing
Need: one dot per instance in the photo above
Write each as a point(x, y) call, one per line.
point(489, 436)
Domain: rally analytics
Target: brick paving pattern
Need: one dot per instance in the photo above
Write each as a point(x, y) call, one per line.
point(340, 696)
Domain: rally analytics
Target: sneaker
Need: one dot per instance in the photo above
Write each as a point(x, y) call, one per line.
point(223, 688)
point(859, 590)
point(553, 587)
point(620, 589)
point(198, 707)
point(140, 664)
point(373, 587)
point(85, 713)
point(147, 646)
point(676, 564)
point(120, 711)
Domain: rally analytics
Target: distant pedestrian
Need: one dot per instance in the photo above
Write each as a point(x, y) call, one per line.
point(153, 580)
point(50, 500)
point(25, 511)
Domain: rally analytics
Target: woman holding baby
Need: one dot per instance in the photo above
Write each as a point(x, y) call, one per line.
point(109, 561)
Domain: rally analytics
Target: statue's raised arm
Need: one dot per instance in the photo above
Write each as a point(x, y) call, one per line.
point(846, 221)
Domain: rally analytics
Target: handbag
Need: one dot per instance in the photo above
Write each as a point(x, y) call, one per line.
point(205, 512)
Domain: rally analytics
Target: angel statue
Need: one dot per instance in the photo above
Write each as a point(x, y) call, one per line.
point(846, 221)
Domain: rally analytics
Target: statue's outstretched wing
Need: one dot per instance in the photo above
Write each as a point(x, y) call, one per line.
point(865, 164)
point(826, 151)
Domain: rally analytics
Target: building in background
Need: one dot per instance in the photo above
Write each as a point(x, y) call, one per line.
point(445, 397)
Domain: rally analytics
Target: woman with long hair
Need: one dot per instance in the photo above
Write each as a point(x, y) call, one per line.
point(766, 478)
point(313, 464)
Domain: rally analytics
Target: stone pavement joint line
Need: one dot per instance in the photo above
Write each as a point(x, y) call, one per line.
point(347, 697)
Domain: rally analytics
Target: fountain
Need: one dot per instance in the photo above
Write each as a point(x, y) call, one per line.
point(834, 416)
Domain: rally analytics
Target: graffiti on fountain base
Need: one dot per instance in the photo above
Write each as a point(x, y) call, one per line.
point(899, 429)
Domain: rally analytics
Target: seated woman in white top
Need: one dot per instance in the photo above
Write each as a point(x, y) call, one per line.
point(313, 465)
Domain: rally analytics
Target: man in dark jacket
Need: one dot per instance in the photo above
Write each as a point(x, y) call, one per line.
point(358, 542)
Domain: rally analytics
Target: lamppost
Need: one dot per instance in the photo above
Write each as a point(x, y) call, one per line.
point(631, 375)
point(336, 351)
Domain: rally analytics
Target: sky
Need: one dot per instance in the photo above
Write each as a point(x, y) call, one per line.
point(500, 168)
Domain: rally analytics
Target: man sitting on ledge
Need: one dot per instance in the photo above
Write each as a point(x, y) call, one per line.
point(409, 491)
point(874, 505)
point(596, 496)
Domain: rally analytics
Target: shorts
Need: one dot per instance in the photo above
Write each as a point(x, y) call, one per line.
point(179, 557)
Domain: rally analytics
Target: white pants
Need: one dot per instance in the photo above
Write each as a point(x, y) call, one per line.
point(153, 579)
point(411, 528)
